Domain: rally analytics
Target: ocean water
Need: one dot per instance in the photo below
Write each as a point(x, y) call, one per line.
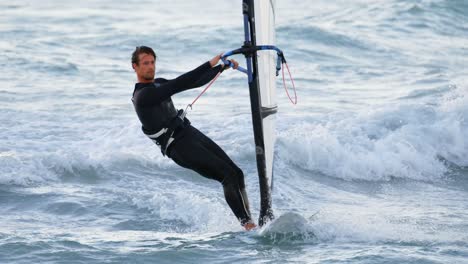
point(373, 159)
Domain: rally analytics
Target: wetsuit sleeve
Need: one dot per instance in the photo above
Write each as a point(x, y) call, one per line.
point(196, 78)
point(192, 79)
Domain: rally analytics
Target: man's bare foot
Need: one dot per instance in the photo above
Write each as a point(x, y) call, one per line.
point(249, 226)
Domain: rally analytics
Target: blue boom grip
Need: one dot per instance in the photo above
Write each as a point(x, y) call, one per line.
point(230, 64)
point(245, 50)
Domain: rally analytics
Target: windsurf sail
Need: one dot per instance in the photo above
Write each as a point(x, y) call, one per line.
point(264, 61)
point(259, 29)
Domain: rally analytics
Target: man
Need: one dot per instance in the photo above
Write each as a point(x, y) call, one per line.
point(174, 134)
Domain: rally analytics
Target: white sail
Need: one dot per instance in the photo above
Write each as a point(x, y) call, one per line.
point(265, 35)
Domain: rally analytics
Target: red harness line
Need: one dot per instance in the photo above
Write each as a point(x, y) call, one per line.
point(206, 88)
point(292, 81)
point(219, 73)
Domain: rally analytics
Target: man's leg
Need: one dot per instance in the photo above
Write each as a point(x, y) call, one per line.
point(218, 151)
point(195, 152)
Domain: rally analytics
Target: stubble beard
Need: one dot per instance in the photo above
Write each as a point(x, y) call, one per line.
point(148, 76)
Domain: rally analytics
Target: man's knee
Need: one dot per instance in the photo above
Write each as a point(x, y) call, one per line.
point(234, 177)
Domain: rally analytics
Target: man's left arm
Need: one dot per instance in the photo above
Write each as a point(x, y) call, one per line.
point(196, 78)
point(201, 75)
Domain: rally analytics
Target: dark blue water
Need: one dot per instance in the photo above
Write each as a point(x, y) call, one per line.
point(373, 161)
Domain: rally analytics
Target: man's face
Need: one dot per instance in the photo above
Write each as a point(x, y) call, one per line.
point(146, 67)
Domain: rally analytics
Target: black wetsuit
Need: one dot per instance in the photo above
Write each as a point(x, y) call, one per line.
point(191, 148)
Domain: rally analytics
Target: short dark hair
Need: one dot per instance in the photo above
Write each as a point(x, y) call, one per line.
point(139, 50)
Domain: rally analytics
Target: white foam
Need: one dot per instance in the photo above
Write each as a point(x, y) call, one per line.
point(19, 169)
point(377, 220)
point(200, 208)
point(404, 140)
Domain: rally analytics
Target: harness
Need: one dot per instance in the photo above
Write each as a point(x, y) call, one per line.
point(164, 137)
